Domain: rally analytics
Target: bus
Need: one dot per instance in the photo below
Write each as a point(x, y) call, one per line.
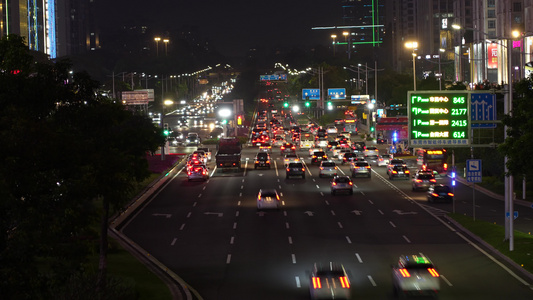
point(435, 159)
point(350, 125)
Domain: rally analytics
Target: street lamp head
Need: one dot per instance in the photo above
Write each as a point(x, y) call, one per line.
point(333, 36)
point(157, 39)
point(166, 40)
point(456, 26)
point(516, 33)
point(411, 45)
point(345, 33)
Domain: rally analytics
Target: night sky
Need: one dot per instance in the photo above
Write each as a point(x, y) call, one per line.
point(234, 25)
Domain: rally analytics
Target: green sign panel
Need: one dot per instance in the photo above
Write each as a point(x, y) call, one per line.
point(439, 119)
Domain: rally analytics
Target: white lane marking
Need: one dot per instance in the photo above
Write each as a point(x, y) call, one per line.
point(327, 202)
point(340, 225)
point(392, 224)
point(242, 187)
point(173, 242)
point(283, 203)
point(348, 239)
point(379, 210)
point(281, 194)
point(242, 180)
point(240, 194)
point(237, 213)
point(203, 189)
point(370, 201)
point(189, 215)
point(332, 213)
point(232, 240)
point(293, 258)
point(405, 238)
point(182, 226)
point(297, 281)
point(446, 280)
point(228, 259)
point(290, 240)
point(234, 225)
point(287, 225)
point(363, 193)
point(199, 195)
point(317, 186)
point(358, 258)
point(279, 186)
point(321, 194)
point(239, 203)
point(285, 213)
point(194, 204)
point(371, 280)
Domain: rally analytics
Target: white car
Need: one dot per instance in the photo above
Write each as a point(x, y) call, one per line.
point(278, 141)
point(312, 150)
point(384, 160)
point(329, 281)
point(331, 130)
point(290, 158)
point(268, 198)
point(327, 168)
point(415, 275)
point(321, 143)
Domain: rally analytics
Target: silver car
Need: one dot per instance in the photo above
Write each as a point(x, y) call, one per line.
point(415, 275)
point(423, 179)
point(268, 198)
point(329, 281)
point(360, 168)
point(327, 168)
point(340, 184)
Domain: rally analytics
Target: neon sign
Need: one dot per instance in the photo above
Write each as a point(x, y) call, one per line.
point(439, 118)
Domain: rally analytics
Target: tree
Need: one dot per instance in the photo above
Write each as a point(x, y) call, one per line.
point(64, 149)
point(519, 142)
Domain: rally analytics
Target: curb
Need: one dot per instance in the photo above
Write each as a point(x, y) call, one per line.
point(179, 289)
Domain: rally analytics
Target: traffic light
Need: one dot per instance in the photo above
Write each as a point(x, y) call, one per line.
point(395, 137)
point(307, 104)
point(372, 128)
point(285, 104)
point(239, 120)
point(166, 131)
point(330, 105)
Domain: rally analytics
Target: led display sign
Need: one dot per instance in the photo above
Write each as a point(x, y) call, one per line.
point(439, 118)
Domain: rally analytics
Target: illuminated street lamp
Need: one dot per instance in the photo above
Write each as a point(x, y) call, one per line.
point(157, 40)
point(346, 34)
point(413, 45)
point(165, 41)
point(334, 36)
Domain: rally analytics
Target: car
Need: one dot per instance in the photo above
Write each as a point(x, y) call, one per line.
point(197, 172)
point(278, 141)
point(318, 156)
point(321, 143)
point(262, 160)
point(439, 193)
point(384, 160)
point(329, 281)
point(346, 134)
point(371, 151)
point(332, 145)
point(207, 152)
point(341, 184)
point(295, 169)
point(349, 157)
point(415, 275)
point(422, 180)
point(321, 133)
point(327, 168)
point(399, 172)
point(381, 141)
point(395, 162)
point(287, 148)
point(313, 150)
point(265, 147)
point(331, 129)
point(360, 168)
point(290, 158)
point(192, 139)
point(202, 156)
point(359, 146)
point(268, 198)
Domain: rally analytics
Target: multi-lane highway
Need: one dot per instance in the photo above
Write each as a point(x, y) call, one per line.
point(211, 234)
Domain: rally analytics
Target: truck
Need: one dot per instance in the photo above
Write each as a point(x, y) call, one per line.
point(228, 153)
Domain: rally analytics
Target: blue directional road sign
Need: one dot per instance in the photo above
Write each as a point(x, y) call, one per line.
point(339, 93)
point(483, 108)
point(313, 94)
point(515, 215)
point(473, 170)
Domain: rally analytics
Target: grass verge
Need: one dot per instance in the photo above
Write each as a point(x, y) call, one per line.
point(493, 235)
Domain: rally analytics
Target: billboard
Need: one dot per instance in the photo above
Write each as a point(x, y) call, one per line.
point(438, 118)
point(138, 97)
point(492, 54)
point(338, 93)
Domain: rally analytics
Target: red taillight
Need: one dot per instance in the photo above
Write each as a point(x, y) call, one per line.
point(288, 169)
point(321, 168)
point(445, 166)
point(405, 273)
point(432, 180)
point(368, 167)
point(424, 167)
point(418, 180)
point(434, 194)
point(303, 170)
point(316, 283)
point(334, 183)
point(406, 171)
point(344, 282)
point(350, 183)
point(433, 272)
point(394, 172)
point(450, 194)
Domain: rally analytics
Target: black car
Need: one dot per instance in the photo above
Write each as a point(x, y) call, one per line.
point(318, 156)
point(399, 171)
point(262, 160)
point(439, 192)
point(349, 157)
point(295, 169)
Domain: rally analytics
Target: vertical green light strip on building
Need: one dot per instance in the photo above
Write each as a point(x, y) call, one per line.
point(373, 24)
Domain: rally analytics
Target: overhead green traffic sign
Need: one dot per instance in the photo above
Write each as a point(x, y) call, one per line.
point(439, 118)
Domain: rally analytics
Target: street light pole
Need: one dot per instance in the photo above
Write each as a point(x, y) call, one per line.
point(413, 45)
point(157, 39)
point(165, 41)
point(333, 36)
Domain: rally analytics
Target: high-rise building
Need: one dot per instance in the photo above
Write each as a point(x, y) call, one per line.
point(54, 27)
